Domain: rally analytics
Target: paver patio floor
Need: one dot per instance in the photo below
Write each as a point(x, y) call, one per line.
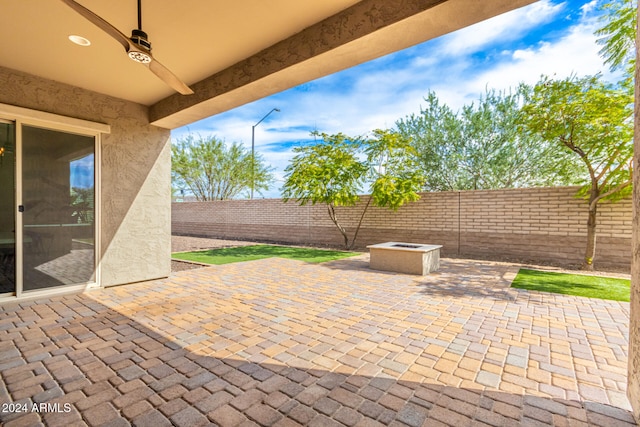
point(281, 342)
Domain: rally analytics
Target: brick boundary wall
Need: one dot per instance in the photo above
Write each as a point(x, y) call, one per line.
point(535, 224)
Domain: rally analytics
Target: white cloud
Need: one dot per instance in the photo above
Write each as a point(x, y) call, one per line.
point(508, 26)
point(576, 53)
point(589, 7)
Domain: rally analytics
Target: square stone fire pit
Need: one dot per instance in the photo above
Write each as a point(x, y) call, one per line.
point(409, 258)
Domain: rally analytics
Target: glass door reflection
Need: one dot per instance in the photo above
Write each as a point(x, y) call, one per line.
point(58, 189)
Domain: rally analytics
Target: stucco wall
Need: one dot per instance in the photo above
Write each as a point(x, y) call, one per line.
point(543, 224)
point(633, 390)
point(135, 180)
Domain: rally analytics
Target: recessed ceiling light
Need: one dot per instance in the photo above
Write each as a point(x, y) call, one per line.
point(79, 40)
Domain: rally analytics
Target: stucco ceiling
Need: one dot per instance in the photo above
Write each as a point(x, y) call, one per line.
point(229, 52)
point(193, 38)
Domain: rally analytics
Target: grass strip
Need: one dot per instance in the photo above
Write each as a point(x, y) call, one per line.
point(250, 253)
point(574, 284)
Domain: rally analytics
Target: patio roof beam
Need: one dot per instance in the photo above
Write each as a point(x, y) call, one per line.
point(367, 30)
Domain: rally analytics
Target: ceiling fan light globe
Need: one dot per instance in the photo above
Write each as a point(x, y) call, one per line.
point(141, 57)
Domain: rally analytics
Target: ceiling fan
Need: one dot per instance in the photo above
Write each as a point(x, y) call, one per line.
point(137, 46)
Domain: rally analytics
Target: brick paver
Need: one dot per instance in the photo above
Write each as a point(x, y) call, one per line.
point(282, 342)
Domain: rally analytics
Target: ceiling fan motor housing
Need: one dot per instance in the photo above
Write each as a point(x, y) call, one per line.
point(140, 38)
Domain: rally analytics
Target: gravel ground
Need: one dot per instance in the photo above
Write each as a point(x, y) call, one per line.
point(608, 271)
point(187, 243)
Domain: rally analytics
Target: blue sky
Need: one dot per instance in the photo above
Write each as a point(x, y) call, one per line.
point(548, 37)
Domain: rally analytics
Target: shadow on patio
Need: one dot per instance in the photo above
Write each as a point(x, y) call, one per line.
point(455, 277)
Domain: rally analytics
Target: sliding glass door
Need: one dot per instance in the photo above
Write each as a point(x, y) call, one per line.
point(7, 208)
point(57, 208)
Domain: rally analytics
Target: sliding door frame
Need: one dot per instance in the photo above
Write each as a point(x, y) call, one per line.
point(27, 117)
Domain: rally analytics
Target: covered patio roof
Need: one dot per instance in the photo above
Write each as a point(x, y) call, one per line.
point(229, 53)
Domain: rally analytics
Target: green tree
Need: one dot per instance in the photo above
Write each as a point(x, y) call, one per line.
point(211, 170)
point(436, 134)
point(594, 121)
point(481, 147)
point(618, 34)
point(334, 170)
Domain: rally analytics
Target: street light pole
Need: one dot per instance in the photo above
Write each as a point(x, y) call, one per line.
point(253, 153)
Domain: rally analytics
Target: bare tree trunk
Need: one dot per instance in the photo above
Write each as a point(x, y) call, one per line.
point(334, 218)
point(590, 252)
point(355, 235)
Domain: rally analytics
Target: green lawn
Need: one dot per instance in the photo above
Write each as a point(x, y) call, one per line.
point(249, 253)
point(573, 284)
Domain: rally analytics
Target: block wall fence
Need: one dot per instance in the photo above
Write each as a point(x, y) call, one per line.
point(536, 224)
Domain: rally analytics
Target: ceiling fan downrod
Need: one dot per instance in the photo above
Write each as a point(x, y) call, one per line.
point(140, 39)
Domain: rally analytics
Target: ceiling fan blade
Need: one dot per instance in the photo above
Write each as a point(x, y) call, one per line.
point(132, 48)
point(100, 23)
point(169, 78)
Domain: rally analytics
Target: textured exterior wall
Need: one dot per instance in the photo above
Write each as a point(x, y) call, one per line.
point(545, 224)
point(633, 389)
point(135, 181)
